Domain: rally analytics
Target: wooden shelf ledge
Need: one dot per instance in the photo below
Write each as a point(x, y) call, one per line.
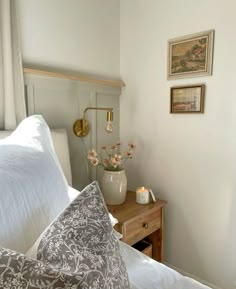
point(118, 83)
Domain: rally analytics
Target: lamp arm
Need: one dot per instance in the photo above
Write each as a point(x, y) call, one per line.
point(97, 108)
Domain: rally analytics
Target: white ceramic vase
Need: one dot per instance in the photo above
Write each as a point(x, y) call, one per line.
point(114, 187)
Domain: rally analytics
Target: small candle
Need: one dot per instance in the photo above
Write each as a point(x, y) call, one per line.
point(142, 195)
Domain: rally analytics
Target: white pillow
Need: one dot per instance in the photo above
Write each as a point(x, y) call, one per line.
point(33, 189)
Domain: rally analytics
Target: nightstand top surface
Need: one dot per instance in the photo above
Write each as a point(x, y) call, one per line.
point(130, 209)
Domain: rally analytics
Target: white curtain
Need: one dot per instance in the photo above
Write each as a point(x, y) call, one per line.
point(12, 100)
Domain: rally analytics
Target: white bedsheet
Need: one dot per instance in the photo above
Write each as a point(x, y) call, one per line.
point(145, 273)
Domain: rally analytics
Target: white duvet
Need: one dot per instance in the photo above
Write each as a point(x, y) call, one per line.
point(146, 273)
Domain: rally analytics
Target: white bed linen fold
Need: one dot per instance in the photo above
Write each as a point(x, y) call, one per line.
point(146, 273)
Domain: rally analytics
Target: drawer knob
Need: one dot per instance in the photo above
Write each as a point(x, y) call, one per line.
point(145, 225)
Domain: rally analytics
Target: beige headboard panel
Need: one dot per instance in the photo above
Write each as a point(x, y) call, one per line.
point(60, 142)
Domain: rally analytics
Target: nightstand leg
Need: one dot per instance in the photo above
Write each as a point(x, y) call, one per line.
point(156, 239)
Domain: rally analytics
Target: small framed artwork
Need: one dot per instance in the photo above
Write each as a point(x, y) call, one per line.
point(187, 99)
point(191, 55)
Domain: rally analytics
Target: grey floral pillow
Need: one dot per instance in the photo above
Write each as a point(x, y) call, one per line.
point(19, 272)
point(82, 241)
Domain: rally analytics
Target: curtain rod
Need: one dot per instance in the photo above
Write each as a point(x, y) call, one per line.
point(118, 83)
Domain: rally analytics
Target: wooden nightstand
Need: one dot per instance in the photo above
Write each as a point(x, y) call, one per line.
point(137, 222)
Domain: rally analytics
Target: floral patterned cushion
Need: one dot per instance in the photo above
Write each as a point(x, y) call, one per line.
point(81, 241)
point(18, 271)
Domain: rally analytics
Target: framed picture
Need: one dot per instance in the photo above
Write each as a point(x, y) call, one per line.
point(191, 55)
point(187, 99)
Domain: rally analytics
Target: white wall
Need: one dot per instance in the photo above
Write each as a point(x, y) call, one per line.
point(190, 160)
point(79, 35)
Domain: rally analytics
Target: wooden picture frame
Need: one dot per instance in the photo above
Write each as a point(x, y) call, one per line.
point(191, 55)
point(187, 99)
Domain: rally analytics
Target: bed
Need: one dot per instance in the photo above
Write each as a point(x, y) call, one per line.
point(30, 208)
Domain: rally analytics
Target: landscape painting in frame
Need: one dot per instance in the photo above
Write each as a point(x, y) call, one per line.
point(191, 55)
point(187, 99)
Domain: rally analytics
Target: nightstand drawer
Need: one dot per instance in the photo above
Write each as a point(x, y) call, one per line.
point(141, 226)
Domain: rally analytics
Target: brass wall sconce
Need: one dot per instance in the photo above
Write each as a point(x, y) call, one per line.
point(81, 126)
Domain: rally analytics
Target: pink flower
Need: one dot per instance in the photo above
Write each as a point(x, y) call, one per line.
point(117, 157)
point(92, 154)
point(131, 145)
point(114, 162)
point(128, 154)
point(94, 161)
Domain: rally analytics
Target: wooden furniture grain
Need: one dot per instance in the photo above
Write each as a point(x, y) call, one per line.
point(116, 83)
point(138, 222)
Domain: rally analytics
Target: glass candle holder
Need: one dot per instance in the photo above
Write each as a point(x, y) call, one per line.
point(142, 195)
